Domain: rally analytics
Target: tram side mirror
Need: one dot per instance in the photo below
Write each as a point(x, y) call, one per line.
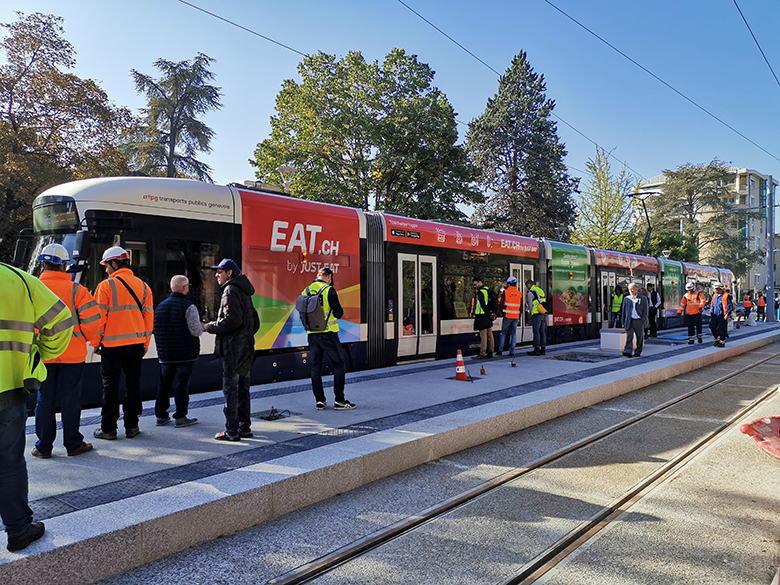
point(20, 252)
point(81, 245)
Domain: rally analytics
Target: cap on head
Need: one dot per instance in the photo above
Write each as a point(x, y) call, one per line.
point(54, 253)
point(689, 286)
point(228, 264)
point(511, 280)
point(115, 253)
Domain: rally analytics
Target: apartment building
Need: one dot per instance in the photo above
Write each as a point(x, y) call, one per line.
point(748, 190)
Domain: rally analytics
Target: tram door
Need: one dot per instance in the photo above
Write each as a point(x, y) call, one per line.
point(417, 305)
point(608, 282)
point(523, 272)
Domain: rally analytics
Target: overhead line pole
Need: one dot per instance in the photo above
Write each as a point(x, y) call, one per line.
point(769, 290)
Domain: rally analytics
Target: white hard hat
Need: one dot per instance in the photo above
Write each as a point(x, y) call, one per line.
point(717, 285)
point(55, 253)
point(115, 253)
point(689, 286)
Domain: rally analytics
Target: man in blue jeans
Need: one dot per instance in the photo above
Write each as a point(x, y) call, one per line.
point(176, 331)
point(327, 343)
point(235, 328)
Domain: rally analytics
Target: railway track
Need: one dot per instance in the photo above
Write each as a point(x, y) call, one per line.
point(725, 391)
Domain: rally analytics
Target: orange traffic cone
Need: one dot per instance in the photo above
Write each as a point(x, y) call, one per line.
point(460, 369)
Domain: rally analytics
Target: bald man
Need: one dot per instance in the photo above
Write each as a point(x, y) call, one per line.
point(176, 331)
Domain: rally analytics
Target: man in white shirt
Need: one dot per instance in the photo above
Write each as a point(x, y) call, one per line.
point(635, 314)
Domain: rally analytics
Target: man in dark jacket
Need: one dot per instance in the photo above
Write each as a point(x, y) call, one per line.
point(176, 331)
point(635, 313)
point(235, 328)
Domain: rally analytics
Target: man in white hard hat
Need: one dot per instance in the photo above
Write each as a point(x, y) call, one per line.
point(66, 372)
point(720, 313)
point(692, 304)
point(126, 307)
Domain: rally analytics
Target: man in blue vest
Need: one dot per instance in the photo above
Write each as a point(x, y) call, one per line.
point(176, 331)
point(327, 343)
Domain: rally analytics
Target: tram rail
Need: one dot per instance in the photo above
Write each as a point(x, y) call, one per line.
point(557, 551)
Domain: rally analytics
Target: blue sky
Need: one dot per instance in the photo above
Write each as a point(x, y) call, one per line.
point(703, 49)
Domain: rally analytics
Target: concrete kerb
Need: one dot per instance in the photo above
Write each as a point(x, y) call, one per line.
point(110, 539)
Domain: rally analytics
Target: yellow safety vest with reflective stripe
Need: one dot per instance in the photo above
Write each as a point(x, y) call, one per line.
point(124, 321)
point(483, 292)
point(539, 298)
point(314, 288)
point(35, 325)
point(617, 303)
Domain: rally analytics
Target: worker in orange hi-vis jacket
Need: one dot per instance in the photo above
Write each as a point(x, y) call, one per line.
point(747, 304)
point(692, 303)
point(760, 307)
point(126, 306)
point(66, 372)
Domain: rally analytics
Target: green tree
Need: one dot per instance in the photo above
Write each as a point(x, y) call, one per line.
point(516, 145)
point(696, 194)
point(368, 136)
point(673, 242)
point(604, 209)
point(54, 126)
point(172, 135)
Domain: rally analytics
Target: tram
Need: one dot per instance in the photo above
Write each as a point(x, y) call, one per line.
point(405, 284)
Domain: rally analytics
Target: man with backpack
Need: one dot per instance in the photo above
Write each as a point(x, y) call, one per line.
point(484, 313)
point(535, 302)
point(320, 309)
point(235, 328)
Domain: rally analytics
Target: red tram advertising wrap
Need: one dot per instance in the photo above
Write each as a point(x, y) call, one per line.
point(289, 241)
point(425, 233)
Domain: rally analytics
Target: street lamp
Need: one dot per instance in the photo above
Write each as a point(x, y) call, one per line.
point(287, 172)
point(642, 196)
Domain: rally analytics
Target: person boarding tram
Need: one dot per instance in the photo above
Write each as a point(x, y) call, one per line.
point(509, 304)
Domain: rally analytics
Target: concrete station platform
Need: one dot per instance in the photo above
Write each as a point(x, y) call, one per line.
point(130, 502)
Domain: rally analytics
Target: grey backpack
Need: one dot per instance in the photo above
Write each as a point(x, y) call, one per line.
point(312, 314)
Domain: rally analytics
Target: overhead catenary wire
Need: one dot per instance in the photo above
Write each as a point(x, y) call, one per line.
point(750, 30)
point(654, 76)
point(625, 164)
point(289, 48)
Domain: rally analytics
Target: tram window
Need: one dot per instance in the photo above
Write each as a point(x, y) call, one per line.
point(139, 259)
point(194, 260)
point(138, 254)
point(457, 289)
